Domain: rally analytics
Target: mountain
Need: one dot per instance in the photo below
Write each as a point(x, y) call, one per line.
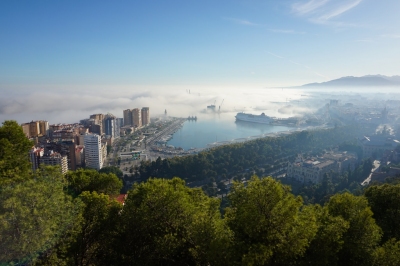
point(364, 81)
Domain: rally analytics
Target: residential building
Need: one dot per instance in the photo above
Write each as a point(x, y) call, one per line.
point(43, 128)
point(128, 121)
point(34, 129)
point(79, 156)
point(103, 153)
point(112, 127)
point(99, 120)
point(145, 113)
point(136, 117)
point(93, 152)
point(56, 159)
point(26, 129)
point(376, 145)
point(34, 156)
point(120, 122)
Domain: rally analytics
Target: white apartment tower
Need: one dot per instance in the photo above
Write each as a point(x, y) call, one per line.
point(93, 154)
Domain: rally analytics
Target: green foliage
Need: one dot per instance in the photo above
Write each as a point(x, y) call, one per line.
point(112, 170)
point(33, 216)
point(166, 223)
point(328, 241)
point(268, 223)
point(388, 254)
point(363, 234)
point(14, 146)
point(100, 218)
point(91, 180)
point(385, 204)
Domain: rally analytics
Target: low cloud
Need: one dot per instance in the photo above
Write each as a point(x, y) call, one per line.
point(323, 11)
point(62, 107)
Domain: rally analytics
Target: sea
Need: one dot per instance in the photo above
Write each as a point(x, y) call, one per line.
point(212, 129)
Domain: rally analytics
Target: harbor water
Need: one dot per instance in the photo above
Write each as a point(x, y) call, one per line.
point(212, 129)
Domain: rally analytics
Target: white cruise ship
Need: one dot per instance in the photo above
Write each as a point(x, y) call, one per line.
point(262, 119)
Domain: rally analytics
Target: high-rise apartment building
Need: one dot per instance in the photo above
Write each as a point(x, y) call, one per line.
point(93, 154)
point(26, 129)
point(120, 122)
point(34, 156)
point(145, 116)
point(34, 129)
point(128, 117)
point(112, 127)
point(99, 120)
point(136, 117)
point(44, 127)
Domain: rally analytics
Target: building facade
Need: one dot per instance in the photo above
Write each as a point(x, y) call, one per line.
point(136, 117)
point(128, 121)
point(145, 112)
point(112, 127)
point(93, 152)
point(55, 159)
point(34, 157)
point(310, 170)
point(376, 145)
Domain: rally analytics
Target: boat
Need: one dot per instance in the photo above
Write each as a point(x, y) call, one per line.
point(261, 119)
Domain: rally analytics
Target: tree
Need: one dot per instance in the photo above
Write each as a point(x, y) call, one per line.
point(112, 170)
point(98, 227)
point(388, 254)
point(14, 147)
point(328, 241)
point(91, 180)
point(33, 216)
point(363, 234)
point(269, 224)
point(385, 204)
point(166, 223)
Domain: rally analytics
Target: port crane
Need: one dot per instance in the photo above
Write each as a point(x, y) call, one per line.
point(219, 108)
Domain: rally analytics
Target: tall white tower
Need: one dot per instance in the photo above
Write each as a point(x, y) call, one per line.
point(93, 155)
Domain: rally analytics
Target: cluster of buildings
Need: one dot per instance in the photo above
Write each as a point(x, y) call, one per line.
point(312, 170)
point(376, 145)
point(35, 128)
point(83, 144)
point(136, 118)
point(382, 146)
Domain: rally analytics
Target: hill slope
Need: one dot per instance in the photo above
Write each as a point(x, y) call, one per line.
point(369, 80)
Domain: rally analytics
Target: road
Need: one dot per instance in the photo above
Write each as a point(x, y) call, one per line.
point(377, 164)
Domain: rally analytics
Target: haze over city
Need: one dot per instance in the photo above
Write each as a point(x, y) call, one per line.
point(62, 60)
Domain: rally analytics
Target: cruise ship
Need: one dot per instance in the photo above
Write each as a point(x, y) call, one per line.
point(261, 119)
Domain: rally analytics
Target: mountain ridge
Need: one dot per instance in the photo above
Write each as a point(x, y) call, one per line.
point(363, 81)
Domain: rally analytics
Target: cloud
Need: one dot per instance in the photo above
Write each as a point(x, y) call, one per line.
point(340, 10)
point(287, 31)
point(60, 107)
point(308, 7)
point(242, 22)
point(278, 56)
point(323, 11)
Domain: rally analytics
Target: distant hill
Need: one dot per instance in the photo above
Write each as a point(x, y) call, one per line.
point(369, 80)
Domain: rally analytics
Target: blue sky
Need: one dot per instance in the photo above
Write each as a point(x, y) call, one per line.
point(64, 60)
point(78, 44)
